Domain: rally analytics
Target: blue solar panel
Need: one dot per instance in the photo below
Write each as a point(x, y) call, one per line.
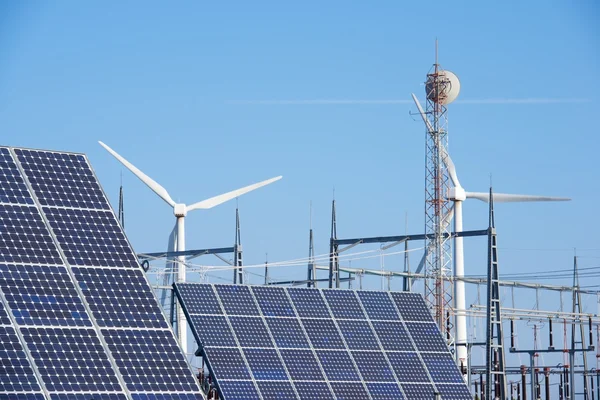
point(88, 396)
point(119, 297)
point(165, 396)
point(227, 362)
point(302, 365)
point(42, 295)
point(251, 331)
point(91, 238)
point(408, 367)
point(378, 305)
point(287, 333)
point(22, 396)
point(218, 332)
point(323, 334)
point(62, 179)
point(349, 391)
point(418, 391)
point(373, 366)
point(427, 336)
point(149, 360)
point(309, 303)
point(276, 390)
point(265, 364)
point(314, 390)
point(24, 237)
point(385, 391)
point(393, 336)
point(338, 365)
point(358, 335)
point(86, 366)
point(442, 368)
point(16, 374)
point(273, 301)
point(454, 392)
point(344, 304)
point(324, 340)
point(411, 306)
point(237, 300)
point(199, 299)
point(12, 185)
point(238, 390)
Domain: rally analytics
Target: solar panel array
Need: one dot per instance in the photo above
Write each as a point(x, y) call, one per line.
point(293, 343)
point(78, 319)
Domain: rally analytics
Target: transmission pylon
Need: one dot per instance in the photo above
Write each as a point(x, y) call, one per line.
point(578, 343)
point(494, 358)
point(238, 271)
point(438, 268)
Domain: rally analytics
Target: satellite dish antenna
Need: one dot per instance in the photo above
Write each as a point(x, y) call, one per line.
point(443, 87)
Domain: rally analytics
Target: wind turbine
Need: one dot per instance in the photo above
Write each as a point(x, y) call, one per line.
point(177, 236)
point(457, 194)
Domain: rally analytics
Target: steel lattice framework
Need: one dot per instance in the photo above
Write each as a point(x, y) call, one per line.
point(438, 290)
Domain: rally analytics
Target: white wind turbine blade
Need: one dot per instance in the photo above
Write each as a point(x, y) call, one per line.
point(445, 156)
point(169, 267)
point(156, 188)
point(445, 224)
point(511, 198)
point(222, 198)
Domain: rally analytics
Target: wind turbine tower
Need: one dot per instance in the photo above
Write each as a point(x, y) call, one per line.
point(177, 237)
point(441, 88)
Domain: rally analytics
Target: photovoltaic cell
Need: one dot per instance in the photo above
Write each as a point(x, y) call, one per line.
point(251, 331)
point(385, 391)
point(349, 391)
point(273, 301)
point(149, 360)
point(24, 237)
point(12, 186)
point(358, 335)
point(239, 390)
point(309, 303)
point(302, 365)
point(199, 299)
point(16, 374)
point(393, 336)
point(441, 367)
point(408, 367)
point(378, 305)
point(343, 304)
point(323, 333)
point(4, 319)
point(373, 366)
point(338, 365)
point(276, 390)
point(452, 392)
point(165, 396)
point(287, 333)
point(314, 390)
point(119, 297)
point(227, 363)
point(237, 300)
point(412, 307)
point(265, 364)
point(427, 336)
point(91, 238)
point(216, 332)
point(85, 365)
point(88, 396)
point(62, 179)
point(419, 391)
point(42, 295)
point(22, 396)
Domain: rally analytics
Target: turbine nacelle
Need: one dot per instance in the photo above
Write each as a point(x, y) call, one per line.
point(180, 210)
point(457, 194)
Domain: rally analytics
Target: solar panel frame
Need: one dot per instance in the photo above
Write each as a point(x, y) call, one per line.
point(134, 266)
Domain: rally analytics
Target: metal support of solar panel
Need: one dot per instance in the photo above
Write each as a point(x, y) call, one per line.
point(78, 319)
point(283, 343)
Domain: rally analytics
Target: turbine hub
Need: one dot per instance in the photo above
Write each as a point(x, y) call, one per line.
point(180, 210)
point(457, 194)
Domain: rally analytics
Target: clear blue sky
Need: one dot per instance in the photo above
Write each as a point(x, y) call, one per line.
point(177, 89)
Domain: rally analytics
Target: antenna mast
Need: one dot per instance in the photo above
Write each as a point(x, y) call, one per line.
point(438, 291)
